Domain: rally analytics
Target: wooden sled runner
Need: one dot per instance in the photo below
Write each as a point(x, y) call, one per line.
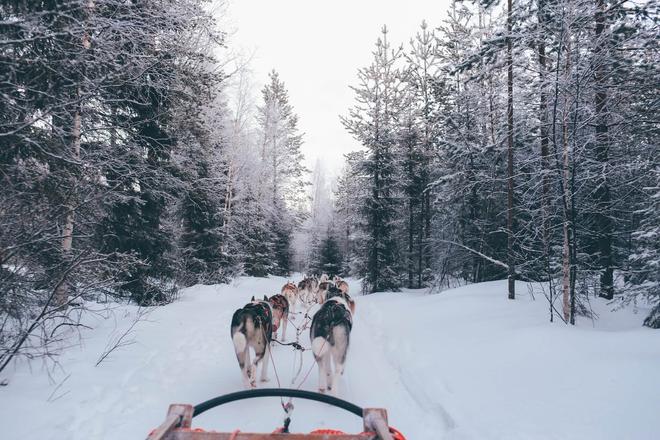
point(178, 424)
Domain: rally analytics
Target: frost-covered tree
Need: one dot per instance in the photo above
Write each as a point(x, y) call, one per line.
point(584, 145)
point(373, 122)
point(420, 144)
point(282, 169)
point(350, 197)
point(94, 96)
point(330, 259)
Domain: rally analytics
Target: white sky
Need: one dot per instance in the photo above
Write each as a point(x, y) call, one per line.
point(317, 47)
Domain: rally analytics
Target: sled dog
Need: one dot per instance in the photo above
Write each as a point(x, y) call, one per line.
point(307, 289)
point(342, 285)
point(252, 327)
point(290, 291)
point(323, 288)
point(329, 333)
point(280, 307)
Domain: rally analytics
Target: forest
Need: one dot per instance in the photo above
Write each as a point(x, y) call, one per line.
point(515, 143)
point(512, 141)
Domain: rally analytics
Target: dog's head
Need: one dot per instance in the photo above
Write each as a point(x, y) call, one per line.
point(340, 296)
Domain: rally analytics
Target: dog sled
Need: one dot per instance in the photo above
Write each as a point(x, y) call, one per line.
point(178, 423)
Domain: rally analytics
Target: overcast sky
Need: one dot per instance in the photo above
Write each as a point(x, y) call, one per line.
point(317, 47)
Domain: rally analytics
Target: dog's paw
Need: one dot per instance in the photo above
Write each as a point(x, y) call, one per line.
point(265, 379)
point(322, 390)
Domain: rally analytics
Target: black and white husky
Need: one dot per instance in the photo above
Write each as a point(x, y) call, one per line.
point(330, 334)
point(252, 327)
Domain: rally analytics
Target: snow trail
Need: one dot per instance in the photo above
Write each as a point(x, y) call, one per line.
point(463, 364)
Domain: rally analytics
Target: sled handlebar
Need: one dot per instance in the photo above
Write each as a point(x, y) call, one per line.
point(277, 392)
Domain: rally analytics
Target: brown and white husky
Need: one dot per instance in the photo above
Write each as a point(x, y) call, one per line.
point(341, 285)
point(290, 291)
point(280, 306)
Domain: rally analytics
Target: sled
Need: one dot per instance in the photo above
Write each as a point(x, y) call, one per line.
point(178, 423)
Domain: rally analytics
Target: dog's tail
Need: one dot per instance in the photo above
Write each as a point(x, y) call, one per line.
point(240, 341)
point(320, 347)
point(239, 338)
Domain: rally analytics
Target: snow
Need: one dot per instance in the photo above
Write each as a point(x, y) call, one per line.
point(463, 364)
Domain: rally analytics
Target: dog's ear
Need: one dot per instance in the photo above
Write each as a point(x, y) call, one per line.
point(252, 298)
point(265, 297)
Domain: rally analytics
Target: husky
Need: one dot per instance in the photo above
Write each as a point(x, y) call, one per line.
point(342, 285)
point(329, 333)
point(307, 289)
point(336, 293)
point(280, 307)
point(290, 291)
point(324, 278)
point(324, 287)
point(252, 327)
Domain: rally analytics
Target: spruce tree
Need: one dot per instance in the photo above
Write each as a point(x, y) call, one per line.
point(373, 122)
point(330, 256)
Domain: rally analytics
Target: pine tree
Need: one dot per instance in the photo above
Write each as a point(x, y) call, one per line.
point(330, 257)
point(283, 171)
point(350, 196)
point(422, 84)
point(373, 122)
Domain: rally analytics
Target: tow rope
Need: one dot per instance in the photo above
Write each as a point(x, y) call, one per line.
point(288, 406)
point(295, 345)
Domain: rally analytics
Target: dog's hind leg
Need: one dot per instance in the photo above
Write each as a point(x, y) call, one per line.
point(244, 364)
point(248, 371)
point(321, 350)
point(328, 371)
point(285, 317)
point(264, 363)
point(292, 305)
point(323, 373)
point(339, 371)
point(338, 352)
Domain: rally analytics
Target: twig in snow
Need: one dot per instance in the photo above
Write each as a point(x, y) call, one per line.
point(121, 340)
point(59, 385)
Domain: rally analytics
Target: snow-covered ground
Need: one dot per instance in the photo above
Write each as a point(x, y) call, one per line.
point(463, 364)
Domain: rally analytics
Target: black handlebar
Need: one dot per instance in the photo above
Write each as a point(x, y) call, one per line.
point(277, 392)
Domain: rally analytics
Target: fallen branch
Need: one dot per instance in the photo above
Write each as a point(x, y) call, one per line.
point(484, 256)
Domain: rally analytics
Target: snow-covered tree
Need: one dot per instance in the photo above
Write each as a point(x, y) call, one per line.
point(282, 169)
point(373, 122)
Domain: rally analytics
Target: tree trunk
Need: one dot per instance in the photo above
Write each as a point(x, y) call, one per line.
point(545, 151)
point(566, 250)
point(510, 183)
point(411, 219)
point(567, 282)
point(602, 195)
point(61, 296)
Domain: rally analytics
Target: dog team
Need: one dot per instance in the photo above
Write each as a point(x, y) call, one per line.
point(257, 324)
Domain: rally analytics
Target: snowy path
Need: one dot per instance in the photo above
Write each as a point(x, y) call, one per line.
point(465, 364)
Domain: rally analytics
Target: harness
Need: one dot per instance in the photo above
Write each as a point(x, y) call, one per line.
point(262, 314)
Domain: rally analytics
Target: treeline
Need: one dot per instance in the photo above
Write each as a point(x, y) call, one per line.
point(126, 172)
point(514, 141)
